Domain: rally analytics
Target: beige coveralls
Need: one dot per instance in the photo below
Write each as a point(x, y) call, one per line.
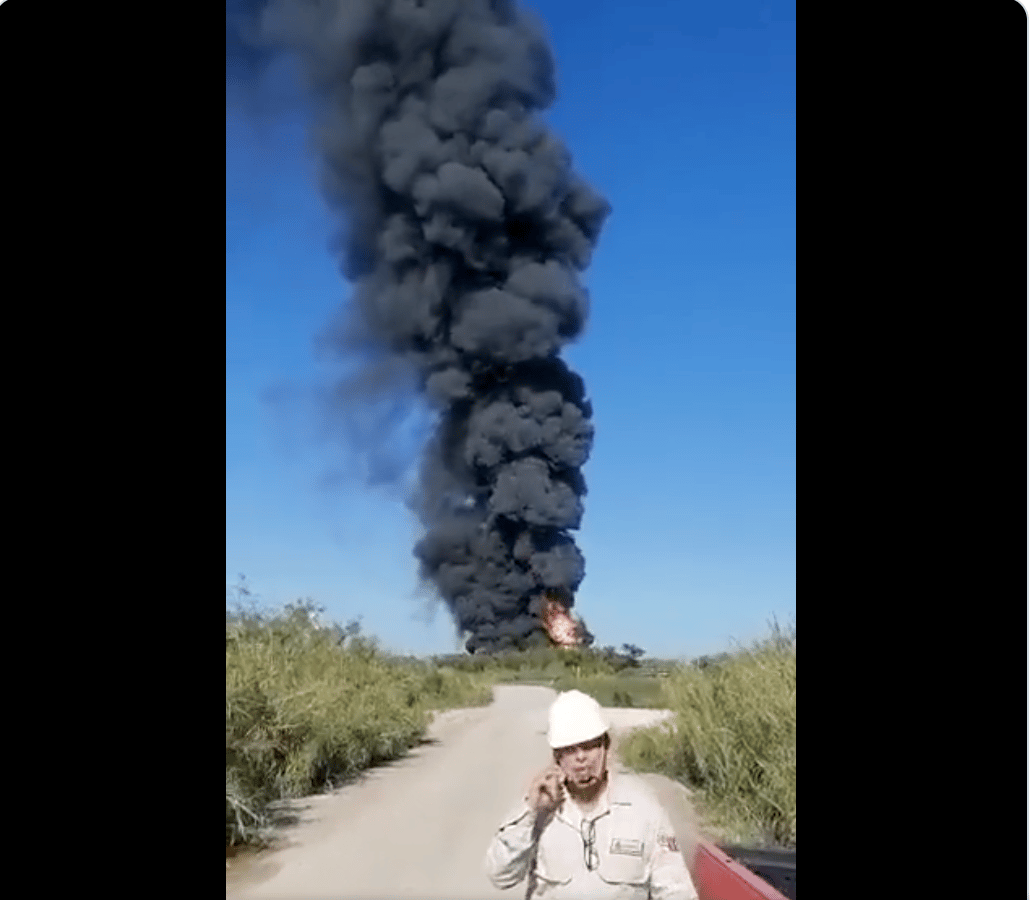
point(636, 853)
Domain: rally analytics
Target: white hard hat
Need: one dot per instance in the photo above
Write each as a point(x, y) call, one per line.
point(574, 717)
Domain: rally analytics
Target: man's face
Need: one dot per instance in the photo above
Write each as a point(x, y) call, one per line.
point(583, 764)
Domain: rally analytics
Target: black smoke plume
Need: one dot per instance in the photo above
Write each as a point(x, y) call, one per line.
point(466, 229)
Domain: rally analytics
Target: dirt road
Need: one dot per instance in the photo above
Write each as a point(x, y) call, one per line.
point(419, 827)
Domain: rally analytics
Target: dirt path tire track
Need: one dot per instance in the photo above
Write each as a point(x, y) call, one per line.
point(419, 827)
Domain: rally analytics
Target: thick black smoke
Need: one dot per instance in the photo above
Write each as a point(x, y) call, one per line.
point(466, 230)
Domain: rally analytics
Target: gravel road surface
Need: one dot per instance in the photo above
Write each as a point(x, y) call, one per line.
point(419, 827)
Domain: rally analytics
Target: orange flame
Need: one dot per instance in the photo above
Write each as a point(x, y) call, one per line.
point(560, 626)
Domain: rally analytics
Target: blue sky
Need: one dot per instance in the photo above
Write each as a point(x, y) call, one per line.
point(683, 116)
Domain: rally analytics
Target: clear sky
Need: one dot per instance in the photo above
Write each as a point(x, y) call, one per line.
point(683, 116)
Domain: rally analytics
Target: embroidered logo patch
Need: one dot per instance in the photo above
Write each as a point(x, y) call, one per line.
point(668, 842)
point(627, 848)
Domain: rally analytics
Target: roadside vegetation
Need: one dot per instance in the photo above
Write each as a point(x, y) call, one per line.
point(613, 678)
point(309, 707)
point(734, 741)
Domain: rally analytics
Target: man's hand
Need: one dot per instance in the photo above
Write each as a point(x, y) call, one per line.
point(545, 791)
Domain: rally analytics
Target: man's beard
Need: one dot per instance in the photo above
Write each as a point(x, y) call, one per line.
point(595, 780)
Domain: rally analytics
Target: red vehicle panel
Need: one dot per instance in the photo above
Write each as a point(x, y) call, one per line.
point(717, 876)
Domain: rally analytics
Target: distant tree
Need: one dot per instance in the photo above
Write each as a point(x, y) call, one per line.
point(633, 652)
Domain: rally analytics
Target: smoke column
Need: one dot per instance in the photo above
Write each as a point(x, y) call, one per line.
point(465, 232)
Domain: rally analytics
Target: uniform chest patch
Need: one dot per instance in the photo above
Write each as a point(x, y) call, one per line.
point(627, 847)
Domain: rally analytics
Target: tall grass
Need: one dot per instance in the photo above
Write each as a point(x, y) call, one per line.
point(305, 712)
point(734, 741)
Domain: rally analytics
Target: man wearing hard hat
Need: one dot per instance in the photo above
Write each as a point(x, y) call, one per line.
point(582, 832)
